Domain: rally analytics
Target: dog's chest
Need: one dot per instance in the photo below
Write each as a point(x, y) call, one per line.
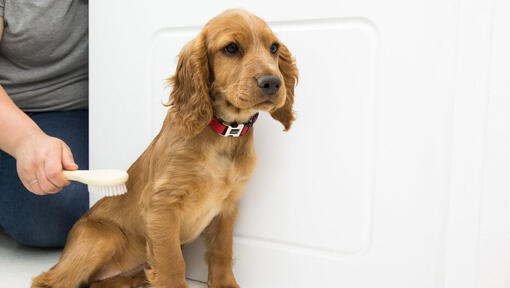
point(224, 179)
point(198, 217)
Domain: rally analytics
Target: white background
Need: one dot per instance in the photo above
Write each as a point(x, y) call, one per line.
point(396, 173)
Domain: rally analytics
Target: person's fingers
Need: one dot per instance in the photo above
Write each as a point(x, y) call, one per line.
point(34, 187)
point(30, 182)
point(53, 170)
point(42, 158)
point(46, 186)
point(27, 175)
point(67, 158)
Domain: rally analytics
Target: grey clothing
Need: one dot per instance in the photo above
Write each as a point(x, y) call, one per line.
point(44, 54)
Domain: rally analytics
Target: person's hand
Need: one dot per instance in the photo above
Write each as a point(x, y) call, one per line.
point(39, 162)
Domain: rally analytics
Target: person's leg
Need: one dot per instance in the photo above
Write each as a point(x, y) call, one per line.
point(44, 221)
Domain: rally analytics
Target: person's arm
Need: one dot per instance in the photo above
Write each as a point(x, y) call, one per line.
point(14, 124)
point(38, 156)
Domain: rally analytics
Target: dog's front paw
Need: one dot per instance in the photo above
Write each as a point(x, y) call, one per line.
point(222, 279)
point(162, 281)
point(224, 285)
point(171, 284)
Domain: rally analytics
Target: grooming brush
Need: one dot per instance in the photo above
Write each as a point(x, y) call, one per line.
point(100, 182)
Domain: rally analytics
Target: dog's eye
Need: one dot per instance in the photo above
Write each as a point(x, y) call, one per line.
point(231, 49)
point(274, 48)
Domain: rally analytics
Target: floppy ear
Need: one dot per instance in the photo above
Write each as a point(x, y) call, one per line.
point(287, 65)
point(189, 100)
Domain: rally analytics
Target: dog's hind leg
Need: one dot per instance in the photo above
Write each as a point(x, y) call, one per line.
point(90, 245)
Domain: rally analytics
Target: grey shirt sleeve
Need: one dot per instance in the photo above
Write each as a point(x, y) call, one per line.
point(2, 4)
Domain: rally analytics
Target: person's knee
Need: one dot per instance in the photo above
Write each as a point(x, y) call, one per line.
point(48, 224)
point(38, 236)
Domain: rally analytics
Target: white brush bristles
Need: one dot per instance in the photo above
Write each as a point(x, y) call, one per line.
point(108, 190)
point(101, 182)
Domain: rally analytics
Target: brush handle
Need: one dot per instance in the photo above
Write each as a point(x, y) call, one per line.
point(97, 177)
point(75, 175)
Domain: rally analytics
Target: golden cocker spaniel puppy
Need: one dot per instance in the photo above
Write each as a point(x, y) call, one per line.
point(189, 180)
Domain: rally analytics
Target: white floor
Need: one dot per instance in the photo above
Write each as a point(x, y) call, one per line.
point(18, 264)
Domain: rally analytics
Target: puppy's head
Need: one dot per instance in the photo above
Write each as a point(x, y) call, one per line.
point(234, 68)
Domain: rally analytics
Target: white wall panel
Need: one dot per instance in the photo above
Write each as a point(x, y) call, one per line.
point(494, 237)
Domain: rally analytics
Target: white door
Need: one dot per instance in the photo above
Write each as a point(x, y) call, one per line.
point(396, 172)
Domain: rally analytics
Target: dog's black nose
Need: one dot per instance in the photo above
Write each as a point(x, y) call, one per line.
point(269, 84)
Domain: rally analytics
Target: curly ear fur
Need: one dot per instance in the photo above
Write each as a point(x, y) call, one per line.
point(189, 100)
point(287, 65)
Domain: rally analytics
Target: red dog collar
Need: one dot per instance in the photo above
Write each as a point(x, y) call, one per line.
point(233, 129)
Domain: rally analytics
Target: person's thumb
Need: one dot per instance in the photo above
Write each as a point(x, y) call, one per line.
point(67, 158)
